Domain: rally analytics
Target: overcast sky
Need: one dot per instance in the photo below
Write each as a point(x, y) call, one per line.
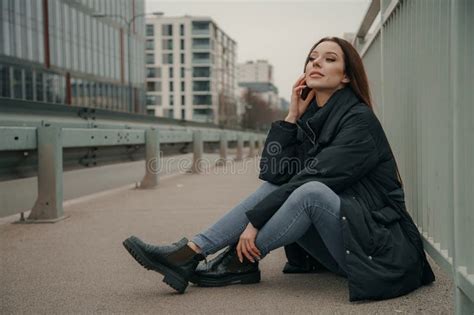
point(281, 32)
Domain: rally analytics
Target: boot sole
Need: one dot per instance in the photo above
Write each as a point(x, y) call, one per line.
point(172, 278)
point(249, 278)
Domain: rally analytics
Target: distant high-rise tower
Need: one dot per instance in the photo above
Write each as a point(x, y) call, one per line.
point(259, 71)
point(258, 77)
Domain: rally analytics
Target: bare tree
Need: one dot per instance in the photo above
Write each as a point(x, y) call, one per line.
point(227, 111)
point(258, 113)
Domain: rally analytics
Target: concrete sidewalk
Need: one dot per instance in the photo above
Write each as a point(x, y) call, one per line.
point(79, 265)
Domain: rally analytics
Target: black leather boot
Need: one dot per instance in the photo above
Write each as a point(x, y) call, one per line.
point(226, 269)
point(299, 261)
point(176, 262)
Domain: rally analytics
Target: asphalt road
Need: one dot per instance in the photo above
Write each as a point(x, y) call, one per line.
point(79, 266)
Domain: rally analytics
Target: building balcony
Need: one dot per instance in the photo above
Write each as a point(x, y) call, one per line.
point(200, 32)
point(201, 61)
point(201, 46)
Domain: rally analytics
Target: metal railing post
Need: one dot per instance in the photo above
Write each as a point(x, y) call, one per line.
point(261, 143)
point(152, 159)
point(240, 147)
point(251, 146)
point(198, 148)
point(49, 203)
point(222, 149)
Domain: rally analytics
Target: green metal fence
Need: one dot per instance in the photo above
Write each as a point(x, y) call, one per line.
point(420, 67)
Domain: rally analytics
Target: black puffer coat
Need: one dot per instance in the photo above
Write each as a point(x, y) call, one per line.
point(344, 146)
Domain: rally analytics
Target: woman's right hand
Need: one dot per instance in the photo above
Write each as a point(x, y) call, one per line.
point(297, 105)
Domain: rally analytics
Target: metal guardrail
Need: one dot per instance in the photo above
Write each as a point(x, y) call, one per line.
point(32, 113)
point(49, 139)
point(420, 67)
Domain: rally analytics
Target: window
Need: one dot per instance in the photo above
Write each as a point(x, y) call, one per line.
point(18, 83)
point(102, 93)
point(201, 86)
point(150, 99)
point(201, 43)
point(167, 44)
point(199, 72)
point(153, 100)
point(93, 94)
point(150, 30)
point(182, 86)
point(183, 99)
point(182, 59)
point(150, 58)
point(171, 99)
point(156, 85)
point(171, 72)
point(167, 59)
point(151, 86)
point(114, 96)
point(167, 30)
point(96, 96)
point(4, 81)
point(181, 29)
point(202, 99)
point(181, 46)
point(150, 44)
point(171, 86)
point(60, 89)
point(201, 57)
point(39, 87)
point(29, 84)
point(153, 72)
point(182, 72)
point(201, 27)
point(49, 86)
point(183, 114)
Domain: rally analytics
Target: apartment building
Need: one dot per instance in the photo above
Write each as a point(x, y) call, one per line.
point(190, 70)
point(257, 76)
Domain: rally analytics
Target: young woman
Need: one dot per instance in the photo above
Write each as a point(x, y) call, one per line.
point(331, 186)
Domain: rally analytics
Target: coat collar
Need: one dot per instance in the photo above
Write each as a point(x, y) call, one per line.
point(324, 122)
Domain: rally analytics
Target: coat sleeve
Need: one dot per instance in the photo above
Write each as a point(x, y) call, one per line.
point(279, 153)
point(349, 157)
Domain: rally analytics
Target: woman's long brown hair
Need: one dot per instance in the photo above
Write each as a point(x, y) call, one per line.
point(355, 71)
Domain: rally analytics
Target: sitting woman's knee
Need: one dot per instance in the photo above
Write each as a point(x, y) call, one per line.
point(313, 190)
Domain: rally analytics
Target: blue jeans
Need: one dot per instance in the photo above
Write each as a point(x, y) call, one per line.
point(309, 217)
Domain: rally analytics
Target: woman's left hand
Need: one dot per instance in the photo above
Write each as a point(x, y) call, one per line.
point(246, 246)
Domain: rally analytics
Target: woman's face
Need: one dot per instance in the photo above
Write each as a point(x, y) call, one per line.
point(325, 68)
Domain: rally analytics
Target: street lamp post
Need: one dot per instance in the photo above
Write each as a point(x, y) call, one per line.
point(129, 33)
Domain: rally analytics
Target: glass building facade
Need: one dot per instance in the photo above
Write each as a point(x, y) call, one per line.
point(57, 51)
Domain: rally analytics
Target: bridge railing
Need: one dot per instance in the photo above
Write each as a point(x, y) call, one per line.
point(419, 60)
point(49, 138)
